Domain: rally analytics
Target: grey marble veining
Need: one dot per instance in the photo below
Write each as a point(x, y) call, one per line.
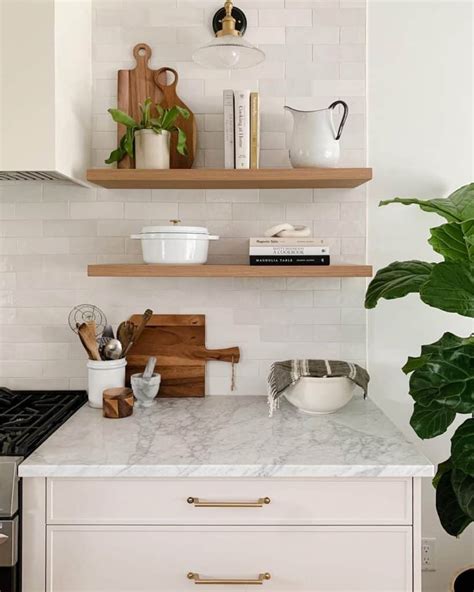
point(228, 437)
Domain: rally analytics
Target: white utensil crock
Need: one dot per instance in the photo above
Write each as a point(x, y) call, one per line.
point(175, 245)
point(318, 396)
point(152, 150)
point(103, 375)
point(315, 140)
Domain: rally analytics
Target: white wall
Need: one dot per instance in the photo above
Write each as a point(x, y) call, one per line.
point(49, 233)
point(420, 144)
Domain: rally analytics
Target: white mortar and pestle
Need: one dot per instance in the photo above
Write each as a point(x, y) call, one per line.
point(146, 386)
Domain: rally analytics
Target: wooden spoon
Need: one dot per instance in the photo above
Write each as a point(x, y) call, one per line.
point(125, 333)
point(88, 340)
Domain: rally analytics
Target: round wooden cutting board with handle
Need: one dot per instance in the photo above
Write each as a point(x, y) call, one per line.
point(170, 99)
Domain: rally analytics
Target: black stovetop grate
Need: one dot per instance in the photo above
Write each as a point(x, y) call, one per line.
point(27, 418)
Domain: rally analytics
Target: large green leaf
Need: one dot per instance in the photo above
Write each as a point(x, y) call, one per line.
point(448, 340)
point(450, 287)
point(446, 378)
point(443, 468)
point(451, 515)
point(457, 207)
point(397, 280)
point(121, 117)
point(454, 240)
point(462, 446)
point(463, 486)
point(429, 422)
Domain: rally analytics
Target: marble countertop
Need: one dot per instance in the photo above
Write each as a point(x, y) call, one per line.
point(228, 436)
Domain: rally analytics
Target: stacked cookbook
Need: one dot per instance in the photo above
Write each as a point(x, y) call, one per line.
point(241, 129)
point(288, 251)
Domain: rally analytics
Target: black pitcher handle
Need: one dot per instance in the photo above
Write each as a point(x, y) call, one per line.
point(344, 116)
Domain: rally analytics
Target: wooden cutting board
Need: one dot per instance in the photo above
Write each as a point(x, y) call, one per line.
point(178, 343)
point(133, 87)
point(171, 98)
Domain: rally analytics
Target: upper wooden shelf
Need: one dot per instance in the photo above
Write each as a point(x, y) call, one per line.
point(147, 270)
point(228, 178)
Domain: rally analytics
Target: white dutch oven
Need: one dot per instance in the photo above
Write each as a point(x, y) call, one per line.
point(175, 245)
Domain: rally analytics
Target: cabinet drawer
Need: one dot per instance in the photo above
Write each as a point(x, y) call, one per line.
point(159, 559)
point(165, 501)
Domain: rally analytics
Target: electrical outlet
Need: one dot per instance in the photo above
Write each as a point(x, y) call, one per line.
point(428, 554)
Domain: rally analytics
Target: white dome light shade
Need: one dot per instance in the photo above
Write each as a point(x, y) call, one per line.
point(228, 52)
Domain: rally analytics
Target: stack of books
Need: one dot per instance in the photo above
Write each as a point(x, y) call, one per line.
point(241, 129)
point(288, 251)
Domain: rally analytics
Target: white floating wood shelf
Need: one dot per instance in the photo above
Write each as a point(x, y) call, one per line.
point(144, 270)
point(112, 178)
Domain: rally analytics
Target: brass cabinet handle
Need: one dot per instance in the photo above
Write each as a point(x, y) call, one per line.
point(198, 503)
point(231, 581)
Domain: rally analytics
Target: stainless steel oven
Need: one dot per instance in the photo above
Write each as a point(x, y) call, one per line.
point(10, 550)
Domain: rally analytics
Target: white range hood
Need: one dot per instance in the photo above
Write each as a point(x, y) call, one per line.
point(45, 90)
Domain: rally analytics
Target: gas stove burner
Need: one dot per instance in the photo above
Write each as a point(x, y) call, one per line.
point(27, 418)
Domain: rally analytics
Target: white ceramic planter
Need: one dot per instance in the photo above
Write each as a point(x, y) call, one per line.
point(103, 375)
point(175, 245)
point(152, 151)
point(319, 396)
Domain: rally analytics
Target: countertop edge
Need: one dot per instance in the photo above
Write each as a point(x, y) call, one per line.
point(226, 471)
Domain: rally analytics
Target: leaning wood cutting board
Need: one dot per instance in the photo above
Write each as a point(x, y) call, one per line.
point(170, 99)
point(178, 343)
point(133, 87)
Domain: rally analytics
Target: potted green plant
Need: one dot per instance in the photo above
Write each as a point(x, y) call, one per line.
point(148, 141)
point(442, 376)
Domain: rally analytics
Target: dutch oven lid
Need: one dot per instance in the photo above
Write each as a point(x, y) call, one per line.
point(175, 228)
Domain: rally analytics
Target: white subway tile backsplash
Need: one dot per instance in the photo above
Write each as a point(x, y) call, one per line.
point(49, 232)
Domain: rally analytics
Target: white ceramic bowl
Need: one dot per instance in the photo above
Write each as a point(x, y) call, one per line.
point(319, 396)
point(175, 245)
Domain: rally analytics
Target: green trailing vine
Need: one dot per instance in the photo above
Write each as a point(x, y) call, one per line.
point(442, 376)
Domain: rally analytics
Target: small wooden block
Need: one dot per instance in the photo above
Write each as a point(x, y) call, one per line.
point(118, 402)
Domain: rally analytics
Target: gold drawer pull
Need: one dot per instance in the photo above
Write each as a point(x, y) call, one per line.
point(222, 581)
point(198, 503)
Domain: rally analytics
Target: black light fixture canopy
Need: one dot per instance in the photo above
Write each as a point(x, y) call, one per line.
point(237, 14)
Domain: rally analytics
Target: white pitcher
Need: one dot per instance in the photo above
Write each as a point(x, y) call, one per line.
point(315, 140)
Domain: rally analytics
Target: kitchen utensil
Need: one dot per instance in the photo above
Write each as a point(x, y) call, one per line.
point(170, 99)
point(319, 396)
point(145, 389)
point(133, 87)
point(102, 375)
point(87, 336)
point(175, 245)
point(86, 313)
point(113, 350)
point(125, 333)
point(178, 344)
point(117, 403)
point(150, 366)
point(315, 140)
point(140, 326)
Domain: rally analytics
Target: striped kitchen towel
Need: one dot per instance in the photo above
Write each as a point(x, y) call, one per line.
point(284, 374)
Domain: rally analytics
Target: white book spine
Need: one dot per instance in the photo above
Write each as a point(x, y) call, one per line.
point(282, 250)
point(242, 129)
point(229, 152)
point(292, 242)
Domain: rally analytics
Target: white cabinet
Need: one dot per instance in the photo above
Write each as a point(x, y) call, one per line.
point(298, 559)
point(144, 535)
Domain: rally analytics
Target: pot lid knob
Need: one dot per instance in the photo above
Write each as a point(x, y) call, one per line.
point(175, 222)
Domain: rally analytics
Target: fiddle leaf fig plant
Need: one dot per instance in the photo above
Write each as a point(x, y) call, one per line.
point(166, 121)
point(442, 376)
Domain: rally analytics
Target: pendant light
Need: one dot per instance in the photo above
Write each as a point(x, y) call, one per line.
point(229, 50)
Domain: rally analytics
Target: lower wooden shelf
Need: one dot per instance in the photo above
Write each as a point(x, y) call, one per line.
point(146, 270)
